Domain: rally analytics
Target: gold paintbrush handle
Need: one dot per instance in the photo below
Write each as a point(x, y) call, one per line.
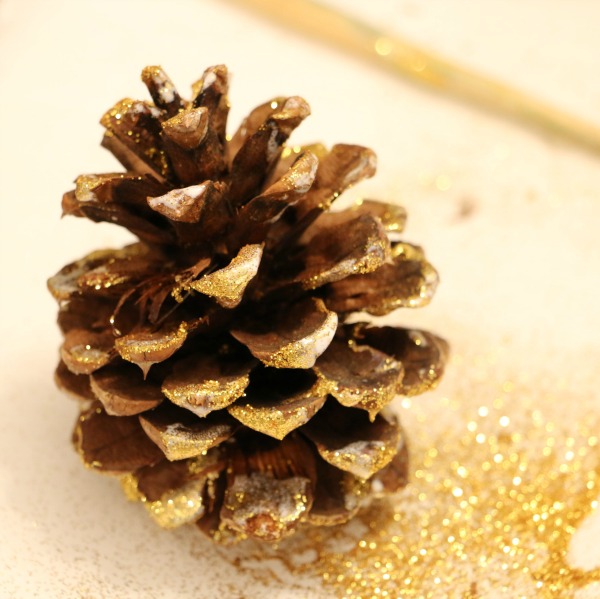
point(425, 67)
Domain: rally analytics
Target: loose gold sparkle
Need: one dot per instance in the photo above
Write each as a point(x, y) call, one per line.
point(499, 486)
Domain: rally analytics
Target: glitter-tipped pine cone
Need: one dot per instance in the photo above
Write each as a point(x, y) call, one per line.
point(219, 375)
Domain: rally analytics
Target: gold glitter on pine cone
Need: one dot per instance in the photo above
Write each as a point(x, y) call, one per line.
point(219, 374)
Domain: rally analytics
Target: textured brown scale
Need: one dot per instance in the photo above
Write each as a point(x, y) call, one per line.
point(217, 373)
point(123, 391)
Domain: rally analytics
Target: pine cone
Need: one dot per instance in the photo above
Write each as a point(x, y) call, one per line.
point(219, 374)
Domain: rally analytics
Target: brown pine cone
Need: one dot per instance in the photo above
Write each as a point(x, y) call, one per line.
point(220, 377)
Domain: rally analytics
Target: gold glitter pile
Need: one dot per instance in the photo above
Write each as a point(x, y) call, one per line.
point(494, 502)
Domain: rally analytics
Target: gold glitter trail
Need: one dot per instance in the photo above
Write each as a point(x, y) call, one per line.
point(499, 489)
point(493, 508)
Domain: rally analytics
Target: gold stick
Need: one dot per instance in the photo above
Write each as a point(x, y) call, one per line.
point(424, 67)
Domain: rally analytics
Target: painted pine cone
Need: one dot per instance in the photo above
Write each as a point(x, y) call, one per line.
point(219, 375)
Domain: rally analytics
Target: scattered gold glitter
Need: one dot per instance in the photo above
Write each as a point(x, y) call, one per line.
point(485, 507)
point(499, 487)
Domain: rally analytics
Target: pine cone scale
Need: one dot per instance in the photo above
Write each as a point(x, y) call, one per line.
point(113, 444)
point(84, 351)
point(146, 348)
point(203, 383)
point(337, 496)
point(123, 391)
point(294, 339)
point(344, 439)
point(180, 435)
point(345, 165)
point(187, 129)
point(358, 375)
point(78, 387)
point(270, 490)
point(259, 153)
point(163, 92)
point(267, 409)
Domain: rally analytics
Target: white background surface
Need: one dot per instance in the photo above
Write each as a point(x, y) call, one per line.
point(521, 272)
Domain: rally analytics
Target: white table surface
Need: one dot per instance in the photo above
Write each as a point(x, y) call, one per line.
point(521, 274)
